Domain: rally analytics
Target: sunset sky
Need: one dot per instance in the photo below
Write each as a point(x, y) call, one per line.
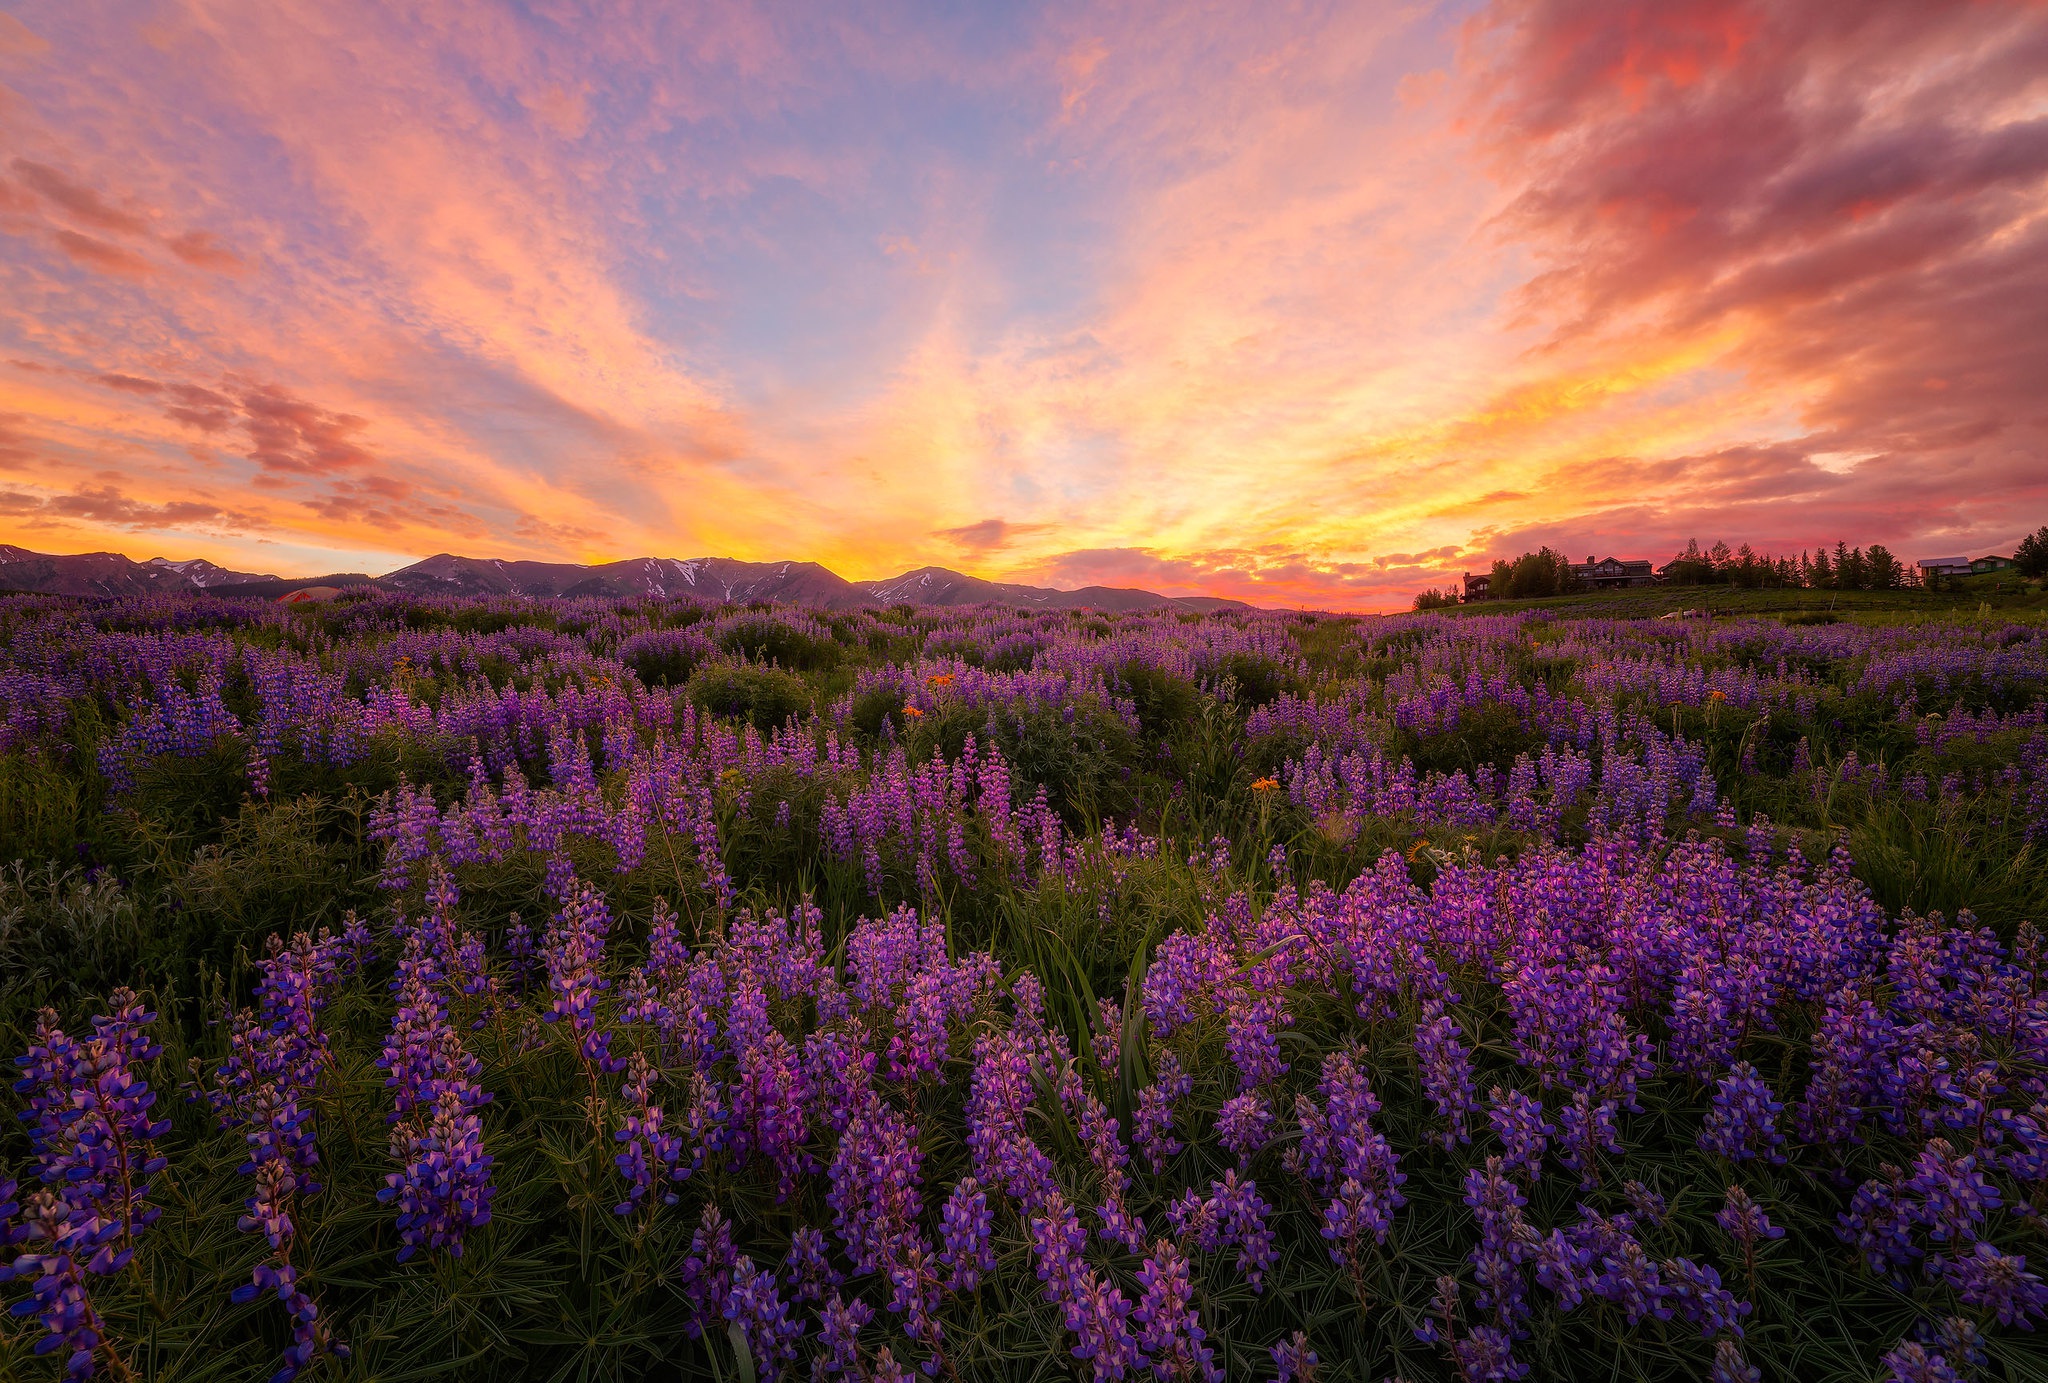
point(1306, 304)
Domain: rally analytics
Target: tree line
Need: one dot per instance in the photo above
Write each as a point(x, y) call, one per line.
point(1548, 572)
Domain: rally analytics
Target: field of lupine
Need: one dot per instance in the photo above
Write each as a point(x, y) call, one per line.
point(591, 990)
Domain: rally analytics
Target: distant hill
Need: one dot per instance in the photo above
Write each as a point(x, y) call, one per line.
point(109, 573)
point(722, 579)
point(938, 586)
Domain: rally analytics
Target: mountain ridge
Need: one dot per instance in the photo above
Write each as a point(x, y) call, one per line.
point(726, 580)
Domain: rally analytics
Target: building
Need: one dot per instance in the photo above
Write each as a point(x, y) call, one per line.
point(1992, 563)
point(1478, 585)
point(1613, 573)
point(1943, 566)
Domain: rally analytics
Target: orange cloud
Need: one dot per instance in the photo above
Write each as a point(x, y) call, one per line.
point(1294, 305)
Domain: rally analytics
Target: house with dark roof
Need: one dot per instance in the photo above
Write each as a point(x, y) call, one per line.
point(1615, 573)
point(1943, 566)
point(1478, 585)
point(1994, 562)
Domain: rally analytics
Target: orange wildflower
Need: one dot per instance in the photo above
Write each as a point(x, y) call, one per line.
point(1266, 785)
point(913, 713)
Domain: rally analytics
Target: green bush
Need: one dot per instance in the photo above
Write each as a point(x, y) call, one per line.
point(772, 641)
point(874, 708)
point(1254, 681)
point(1081, 753)
point(767, 697)
point(1164, 700)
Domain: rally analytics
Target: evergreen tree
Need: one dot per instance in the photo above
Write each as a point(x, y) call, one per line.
point(2031, 555)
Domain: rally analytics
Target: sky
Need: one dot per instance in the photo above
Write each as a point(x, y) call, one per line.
point(1307, 304)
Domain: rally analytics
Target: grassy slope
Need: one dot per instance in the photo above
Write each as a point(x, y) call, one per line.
point(2006, 598)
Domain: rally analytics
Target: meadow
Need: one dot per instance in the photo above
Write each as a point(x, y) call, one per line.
point(600, 990)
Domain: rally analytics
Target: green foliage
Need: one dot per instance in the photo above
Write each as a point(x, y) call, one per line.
point(2031, 556)
point(1251, 681)
point(1164, 700)
point(768, 640)
point(767, 697)
point(1545, 572)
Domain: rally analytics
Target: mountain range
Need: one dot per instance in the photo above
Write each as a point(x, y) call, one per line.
point(722, 579)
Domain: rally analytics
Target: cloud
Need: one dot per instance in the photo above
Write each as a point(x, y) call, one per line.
point(106, 505)
point(204, 250)
point(82, 204)
point(989, 534)
point(130, 384)
point(17, 40)
point(15, 448)
point(99, 254)
point(1293, 308)
point(289, 434)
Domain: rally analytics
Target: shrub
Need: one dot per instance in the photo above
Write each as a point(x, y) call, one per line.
point(1164, 699)
point(1254, 681)
point(664, 657)
point(767, 697)
point(766, 639)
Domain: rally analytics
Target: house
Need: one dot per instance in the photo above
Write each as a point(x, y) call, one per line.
point(1992, 563)
point(1943, 566)
point(1610, 573)
point(1478, 586)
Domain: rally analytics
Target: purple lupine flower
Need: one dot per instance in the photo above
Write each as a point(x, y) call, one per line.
point(259, 1085)
point(573, 952)
point(965, 1225)
point(1697, 1291)
point(1747, 1224)
point(1731, 1367)
point(1585, 1129)
point(754, 1305)
point(652, 1156)
point(1912, 1362)
point(519, 952)
point(1446, 1066)
point(1241, 1126)
point(1879, 1224)
point(1249, 1037)
point(1109, 1036)
point(1742, 1125)
point(1997, 1282)
point(887, 1370)
point(1488, 1355)
point(707, 1271)
point(1153, 1131)
point(1506, 1242)
point(769, 1107)
point(1953, 1194)
point(1647, 1205)
point(839, 1327)
point(269, 1213)
point(1958, 1338)
point(59, 1299)
point(1519, 1122)
point(1093, 1311)
point(1294, 1360)
point(1169, 1327)
point(914, 1294)
point(89, 1120)
point(807, 1267)
point(443, 1187)
point(1240, 1216)
point(875, 1175)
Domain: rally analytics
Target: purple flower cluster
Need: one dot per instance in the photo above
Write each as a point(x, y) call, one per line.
point(443, 1186)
